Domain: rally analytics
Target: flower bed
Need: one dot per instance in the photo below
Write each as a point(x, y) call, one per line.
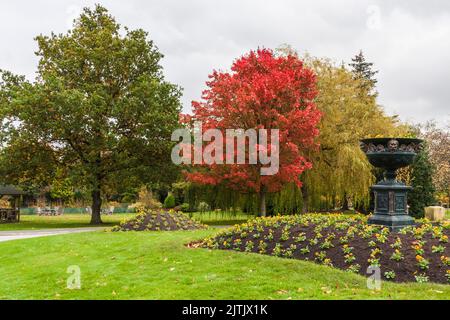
point(346, 242)
point(159, 221)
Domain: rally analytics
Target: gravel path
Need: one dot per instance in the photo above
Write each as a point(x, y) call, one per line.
point(25, 234)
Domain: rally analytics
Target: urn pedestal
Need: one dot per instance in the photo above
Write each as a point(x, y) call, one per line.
point(390, 195)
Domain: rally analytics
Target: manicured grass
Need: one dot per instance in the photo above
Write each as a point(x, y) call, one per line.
point(221, 218)
point(447, 214)
point(30, 222)
point(157, 265)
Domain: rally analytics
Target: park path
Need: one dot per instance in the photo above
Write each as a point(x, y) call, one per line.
point(25, 234)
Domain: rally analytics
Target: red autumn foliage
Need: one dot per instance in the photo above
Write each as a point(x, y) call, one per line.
point(262, 91)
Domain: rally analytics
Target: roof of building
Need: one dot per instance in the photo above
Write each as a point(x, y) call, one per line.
point(9, 190)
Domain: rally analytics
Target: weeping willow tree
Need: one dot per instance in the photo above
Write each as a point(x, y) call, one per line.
point(217, 197)
point(350, 113)
point(337, 174)
point(286, 201)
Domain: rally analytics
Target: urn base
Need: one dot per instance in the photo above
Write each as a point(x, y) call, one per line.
point(393, 222)
point(391, 209)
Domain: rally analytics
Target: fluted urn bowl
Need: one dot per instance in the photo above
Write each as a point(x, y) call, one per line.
point(391, 153)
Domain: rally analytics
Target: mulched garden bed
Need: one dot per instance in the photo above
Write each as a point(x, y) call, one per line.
point(417, 254)
point(159, 221)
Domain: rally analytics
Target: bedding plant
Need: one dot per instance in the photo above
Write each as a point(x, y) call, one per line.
point(149, 220)
point(416, 253)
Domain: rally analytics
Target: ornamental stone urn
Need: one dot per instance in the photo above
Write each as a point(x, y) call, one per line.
point(390, 195)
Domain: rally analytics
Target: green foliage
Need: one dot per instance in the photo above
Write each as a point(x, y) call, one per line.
point(184, 207)
point(62, 187)
point(287, 201)
point(422, 181)
point(169, 202)
point(203, 207)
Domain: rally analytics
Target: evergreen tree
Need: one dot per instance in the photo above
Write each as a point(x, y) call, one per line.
point(169, 202)
point(363, 71)
point(422, 181)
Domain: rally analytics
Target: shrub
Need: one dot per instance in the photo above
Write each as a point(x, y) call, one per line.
point(146, 197)
point(203, 207)
point(169, 202)
point(421, 179)
point(184, 207)
point(138, 206)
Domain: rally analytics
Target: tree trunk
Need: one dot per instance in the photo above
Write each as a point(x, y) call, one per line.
point(96, 206)
point(262, 203)
point(345, 203)
point(305, 207)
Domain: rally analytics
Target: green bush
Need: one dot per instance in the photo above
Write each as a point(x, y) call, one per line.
point(169, 202)
point(184, 207)
point(203, 207)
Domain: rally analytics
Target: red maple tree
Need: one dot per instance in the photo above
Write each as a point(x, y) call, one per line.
point(262, 91)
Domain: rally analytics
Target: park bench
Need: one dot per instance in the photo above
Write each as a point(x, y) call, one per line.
point(47, 211)
point(8, 215)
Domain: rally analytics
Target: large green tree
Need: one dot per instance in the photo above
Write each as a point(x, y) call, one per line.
point(422, 194)
point(99, 107)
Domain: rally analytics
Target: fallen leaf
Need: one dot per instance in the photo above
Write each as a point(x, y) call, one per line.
point(326, 290)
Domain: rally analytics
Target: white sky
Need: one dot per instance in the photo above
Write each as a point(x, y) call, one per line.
point(409, 41)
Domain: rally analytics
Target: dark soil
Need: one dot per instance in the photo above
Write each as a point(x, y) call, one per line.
point(249, 239)
point(159, 221)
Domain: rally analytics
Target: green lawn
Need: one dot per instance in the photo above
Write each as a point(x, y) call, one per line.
point(157, 265)
point(30, 222)
point(221, 218)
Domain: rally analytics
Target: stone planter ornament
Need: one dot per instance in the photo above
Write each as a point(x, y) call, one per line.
point(390, 195)
point(435, 213)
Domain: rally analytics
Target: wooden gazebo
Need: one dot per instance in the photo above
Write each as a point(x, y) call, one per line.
point(9, 215)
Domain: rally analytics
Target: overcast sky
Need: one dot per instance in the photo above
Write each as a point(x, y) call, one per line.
point(408, 41)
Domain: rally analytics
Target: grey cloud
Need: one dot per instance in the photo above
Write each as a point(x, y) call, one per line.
point(409, 43)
